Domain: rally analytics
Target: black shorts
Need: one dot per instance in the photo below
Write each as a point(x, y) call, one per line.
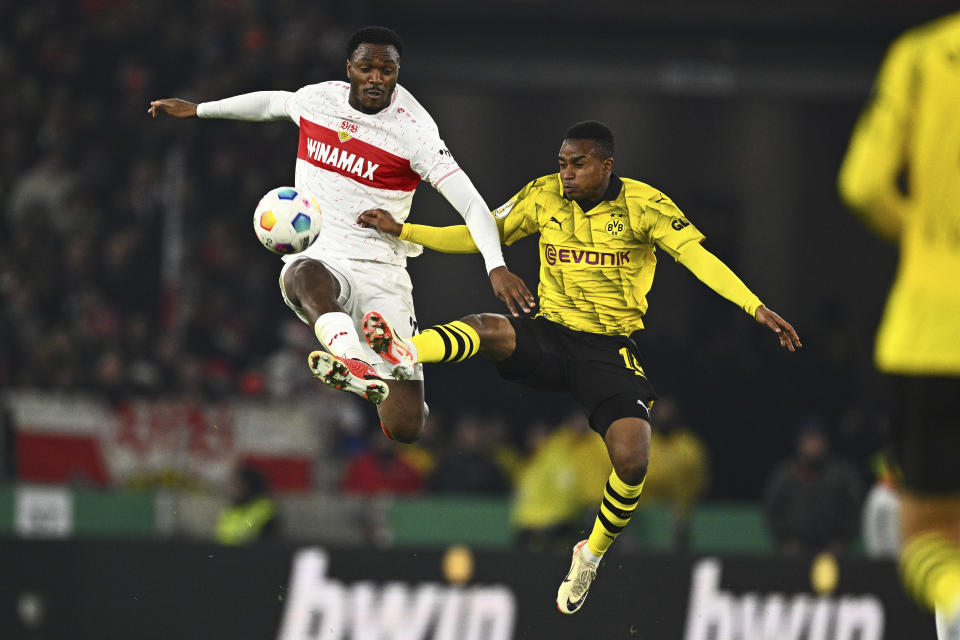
point(604, 373)
point(925, 430)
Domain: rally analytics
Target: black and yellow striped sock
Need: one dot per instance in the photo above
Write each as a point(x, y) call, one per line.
point(618, 504)
point(452, 342)
point(930, 566)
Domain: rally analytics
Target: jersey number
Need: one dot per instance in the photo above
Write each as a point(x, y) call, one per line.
point(630, 362)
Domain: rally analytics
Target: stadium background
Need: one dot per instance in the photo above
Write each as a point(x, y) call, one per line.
point(131, 282)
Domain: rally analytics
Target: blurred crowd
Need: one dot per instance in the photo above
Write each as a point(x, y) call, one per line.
point(126, 261)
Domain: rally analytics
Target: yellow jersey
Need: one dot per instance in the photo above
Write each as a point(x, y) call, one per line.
point(911, 128)
point(597, 266)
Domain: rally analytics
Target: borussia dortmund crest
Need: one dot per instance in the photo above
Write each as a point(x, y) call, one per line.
point(344, 136)
point(615, 225)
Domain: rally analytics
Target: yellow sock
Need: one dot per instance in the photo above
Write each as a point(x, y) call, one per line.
point(452, 342)
point(618, 504)
point(930, 566)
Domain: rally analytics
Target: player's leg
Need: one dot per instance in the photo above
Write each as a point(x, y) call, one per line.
point(926, 437)
point(387, 289)
point(628, 443)
point(309, 284)
point(404, 412)
point(930, 557)
point(402, 415)
point(318, 296)
point(610, 384)
point(491, 335)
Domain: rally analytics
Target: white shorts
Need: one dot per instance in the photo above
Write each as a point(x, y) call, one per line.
point(365, 286)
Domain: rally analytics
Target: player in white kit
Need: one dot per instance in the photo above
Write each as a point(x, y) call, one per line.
point(365, 146)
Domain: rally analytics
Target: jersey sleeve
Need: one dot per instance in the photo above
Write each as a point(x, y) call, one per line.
point(452, 239)
point(463, 196)
point(517, 217)
point(711, 271)
point(430, 157)
point(293, 104)
point(259, 106)
point(664, 224)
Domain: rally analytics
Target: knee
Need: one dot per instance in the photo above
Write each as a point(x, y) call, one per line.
point(632, 469)
point(628, 444)
point(405, 432)
point(497, 337)
point(489, 326)
point(406, 428)
point(310, 284)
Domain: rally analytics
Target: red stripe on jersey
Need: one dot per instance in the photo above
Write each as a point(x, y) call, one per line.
point(355, 159)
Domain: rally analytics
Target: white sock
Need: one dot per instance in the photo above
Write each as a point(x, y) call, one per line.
point(336, 333)
point(588, 556)
point(947, 628)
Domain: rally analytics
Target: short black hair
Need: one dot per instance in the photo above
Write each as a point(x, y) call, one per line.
point(593, 130)
point(374, 35)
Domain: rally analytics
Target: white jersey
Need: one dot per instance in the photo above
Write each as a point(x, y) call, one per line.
point(353, 161)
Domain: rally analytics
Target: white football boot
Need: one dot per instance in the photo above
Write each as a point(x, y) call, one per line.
point(573, 590)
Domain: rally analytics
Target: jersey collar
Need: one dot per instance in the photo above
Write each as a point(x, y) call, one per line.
point(611, 194)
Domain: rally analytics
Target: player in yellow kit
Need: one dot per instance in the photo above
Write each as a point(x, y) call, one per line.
point(902, 175)
point(598, 237)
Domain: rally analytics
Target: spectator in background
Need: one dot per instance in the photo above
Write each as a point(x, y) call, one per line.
point(252, 514)
point(468, 465)
point(564, 475)
point(101, 209)
point(681, 471)
point(812, 501)
point(285, 376)
point(881, 513)
point(378, 469)
point(545, 509)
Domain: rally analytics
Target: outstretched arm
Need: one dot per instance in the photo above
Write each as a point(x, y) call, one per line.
point(718, 276)
point(463, 196)
point(258, 106)
point(454, 239)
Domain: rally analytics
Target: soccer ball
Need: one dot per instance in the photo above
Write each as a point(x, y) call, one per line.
point(287, 220)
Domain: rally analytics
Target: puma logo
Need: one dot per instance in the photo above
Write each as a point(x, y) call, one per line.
point(559, 224)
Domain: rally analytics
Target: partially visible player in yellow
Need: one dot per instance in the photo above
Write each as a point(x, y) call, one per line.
point(901, 174)
point(598, 237)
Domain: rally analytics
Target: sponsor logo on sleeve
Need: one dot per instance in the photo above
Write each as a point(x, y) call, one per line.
point(503, 210)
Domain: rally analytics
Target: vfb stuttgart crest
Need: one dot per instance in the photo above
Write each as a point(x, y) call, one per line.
point(346, 130)
point(615, 224)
